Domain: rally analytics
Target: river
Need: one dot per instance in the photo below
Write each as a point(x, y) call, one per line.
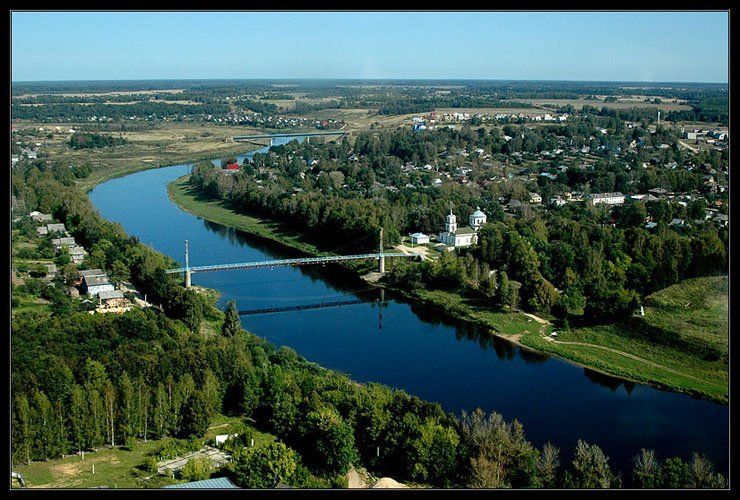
point(405, 346)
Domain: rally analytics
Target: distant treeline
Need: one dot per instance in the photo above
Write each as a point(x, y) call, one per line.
point(83, 140)
point(72, 112)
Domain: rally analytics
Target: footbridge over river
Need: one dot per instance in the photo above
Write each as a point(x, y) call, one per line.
point(306, 135)
point(303, 261)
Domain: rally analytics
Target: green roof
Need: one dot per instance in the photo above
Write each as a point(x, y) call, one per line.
point(465, 230)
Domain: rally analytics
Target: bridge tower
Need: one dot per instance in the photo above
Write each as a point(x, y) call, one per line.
point(381, 259)
point(187, 265)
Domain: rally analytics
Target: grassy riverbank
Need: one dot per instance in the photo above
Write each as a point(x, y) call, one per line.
point(628, 349)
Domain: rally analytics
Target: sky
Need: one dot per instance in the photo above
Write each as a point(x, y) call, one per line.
point(597, 46)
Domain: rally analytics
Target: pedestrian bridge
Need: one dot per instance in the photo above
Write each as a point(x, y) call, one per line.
point(304, 261)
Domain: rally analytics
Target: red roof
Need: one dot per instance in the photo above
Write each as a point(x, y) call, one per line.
point(232, 166)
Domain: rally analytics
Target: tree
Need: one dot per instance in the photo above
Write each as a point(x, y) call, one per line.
point(197, 469)
point(547, 466)
point(77, 418)
point(332, 441)
point(263, 466)
point(22, 430)
point(161, 411)
point(675, 473)
point(109, 402)
point(194, 416)
point(590, 468)
point(435, 450)
point(231, 325)
point(127, 407)
point(646, 469)
point(211, 393)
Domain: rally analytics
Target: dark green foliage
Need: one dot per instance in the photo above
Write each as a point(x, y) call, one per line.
point(82, 140)
point(263, 466)
point(231, 325)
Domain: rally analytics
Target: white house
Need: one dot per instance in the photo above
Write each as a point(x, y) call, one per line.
point(535, 198)
point(93, 285)
point(419, 239)
point(607, 198)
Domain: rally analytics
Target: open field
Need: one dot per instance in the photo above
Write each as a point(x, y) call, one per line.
point(118, 468)
point(114, 468)
point(620, 104)
point(695, 309)
point(164, 144)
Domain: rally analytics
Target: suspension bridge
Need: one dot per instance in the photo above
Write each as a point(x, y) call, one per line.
point(303, 261)
point(307, 135)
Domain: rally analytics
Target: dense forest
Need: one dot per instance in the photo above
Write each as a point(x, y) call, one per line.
point(83, 381)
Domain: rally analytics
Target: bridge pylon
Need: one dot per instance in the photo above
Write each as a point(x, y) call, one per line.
point(187, 265)
point(381, 257)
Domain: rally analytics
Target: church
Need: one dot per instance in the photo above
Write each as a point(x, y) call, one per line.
point(465, 236)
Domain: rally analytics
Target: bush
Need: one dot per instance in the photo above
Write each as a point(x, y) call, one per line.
point(263, 466)
point(149, 464)
point(197, 469)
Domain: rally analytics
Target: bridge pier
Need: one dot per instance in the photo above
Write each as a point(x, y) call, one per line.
point(187, 279)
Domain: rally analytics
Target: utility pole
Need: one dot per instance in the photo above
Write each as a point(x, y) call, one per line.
point(381, 260)
point(187, 264)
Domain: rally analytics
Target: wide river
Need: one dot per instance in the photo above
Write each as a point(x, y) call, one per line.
point(405, 346)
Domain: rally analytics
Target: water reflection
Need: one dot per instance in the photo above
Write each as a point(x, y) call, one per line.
point(611, 383)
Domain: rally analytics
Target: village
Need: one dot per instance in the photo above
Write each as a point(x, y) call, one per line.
point(94, 290)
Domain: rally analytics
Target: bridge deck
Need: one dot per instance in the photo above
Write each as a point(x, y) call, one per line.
point(286, 262)
point(298, 134)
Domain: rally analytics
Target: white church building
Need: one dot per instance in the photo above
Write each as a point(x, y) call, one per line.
point(454, 236)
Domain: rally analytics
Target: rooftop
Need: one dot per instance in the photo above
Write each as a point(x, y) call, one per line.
point(213, 483)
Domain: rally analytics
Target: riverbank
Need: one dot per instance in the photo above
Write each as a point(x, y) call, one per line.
point(608, 349)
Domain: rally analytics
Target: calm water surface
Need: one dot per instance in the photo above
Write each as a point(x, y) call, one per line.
point(404, 346)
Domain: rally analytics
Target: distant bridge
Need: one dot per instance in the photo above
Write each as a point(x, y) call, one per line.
point(305, 307)
point(295, 134)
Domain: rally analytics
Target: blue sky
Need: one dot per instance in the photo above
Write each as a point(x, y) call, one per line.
point(658, 46)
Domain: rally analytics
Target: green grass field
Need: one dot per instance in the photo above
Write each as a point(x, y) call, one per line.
point(118, 468)
point(696, 309)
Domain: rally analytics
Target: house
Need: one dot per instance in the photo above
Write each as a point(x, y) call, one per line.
point(63, 242)
point(39, 217)
point(113, 299)
point(419, 239)
point(232, 166)
point(659, 192)
point(677, 222)
point(93, 285)
point(535, 198)
point(722, 219)
point(56, 228)
point(606, 198)
point(77, 253)
point(558, 201)
point(42, 230)
point(651, 225)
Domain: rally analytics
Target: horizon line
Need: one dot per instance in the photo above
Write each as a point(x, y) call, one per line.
point(366, 80)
